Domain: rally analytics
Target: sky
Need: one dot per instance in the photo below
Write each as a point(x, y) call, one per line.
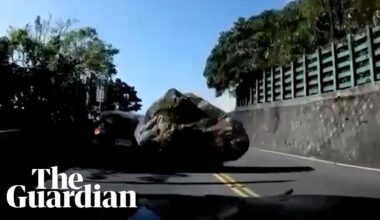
point(163, 43)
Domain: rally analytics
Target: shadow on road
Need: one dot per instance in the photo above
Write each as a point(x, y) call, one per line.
point(101, 174)
point(132, 162)
point(161, 178)
point(157, 169)
point(188, 183)
point(230, 169)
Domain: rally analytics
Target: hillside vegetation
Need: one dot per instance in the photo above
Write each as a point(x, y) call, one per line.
point(275, 37)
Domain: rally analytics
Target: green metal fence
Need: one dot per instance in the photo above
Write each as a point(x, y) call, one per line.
point(354, 61)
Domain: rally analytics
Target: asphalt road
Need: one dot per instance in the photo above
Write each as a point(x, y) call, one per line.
point(322, 178)
point(258, 173)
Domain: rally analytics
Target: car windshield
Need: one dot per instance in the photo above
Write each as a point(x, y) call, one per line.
point(236, 99)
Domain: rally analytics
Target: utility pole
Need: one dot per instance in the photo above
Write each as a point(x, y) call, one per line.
point(331, 19)
point(100, 92)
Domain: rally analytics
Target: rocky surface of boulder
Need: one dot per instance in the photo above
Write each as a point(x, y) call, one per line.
point(185, 126)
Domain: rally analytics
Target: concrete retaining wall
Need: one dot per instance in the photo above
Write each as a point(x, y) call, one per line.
point(343, 126)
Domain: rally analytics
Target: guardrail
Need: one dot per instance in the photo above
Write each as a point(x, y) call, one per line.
point(343, 65)
point(9, 136)
point(9, 131)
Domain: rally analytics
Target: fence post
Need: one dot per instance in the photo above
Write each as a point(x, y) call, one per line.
point(370, 53)
point(257, 90)
point(250, 95)
point(352, 59)
point(282, 83)
point(272, 85)
point(264, 87)
point(244, 97)
point(247, 95)
point(261, 91)
point(305, 79)
point(319, 71)
point(237, 96)
point(293, 79)
point(335, 74)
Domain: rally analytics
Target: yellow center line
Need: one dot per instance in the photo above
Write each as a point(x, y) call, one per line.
point(240, 193)
point(238, 188)
point(242, 187)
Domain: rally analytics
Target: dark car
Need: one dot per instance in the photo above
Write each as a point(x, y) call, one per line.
point(116, 129)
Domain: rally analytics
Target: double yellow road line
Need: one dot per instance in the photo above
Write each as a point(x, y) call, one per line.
point(236, 187)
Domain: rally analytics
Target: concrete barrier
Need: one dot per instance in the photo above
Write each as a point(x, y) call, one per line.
point(342, 127)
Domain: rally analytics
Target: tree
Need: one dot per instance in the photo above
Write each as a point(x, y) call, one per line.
point(254, 44)
point(47, 69)
point(121, 96)
point(275, 37)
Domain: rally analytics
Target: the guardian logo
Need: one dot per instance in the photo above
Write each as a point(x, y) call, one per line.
point(66, 192)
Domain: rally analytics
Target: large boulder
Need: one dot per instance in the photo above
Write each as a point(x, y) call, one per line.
point(185, 126)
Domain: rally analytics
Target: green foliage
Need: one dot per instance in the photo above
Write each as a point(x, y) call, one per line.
point(56, 46)
point(50, 70)
point(275, 37)
point(122, 96)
